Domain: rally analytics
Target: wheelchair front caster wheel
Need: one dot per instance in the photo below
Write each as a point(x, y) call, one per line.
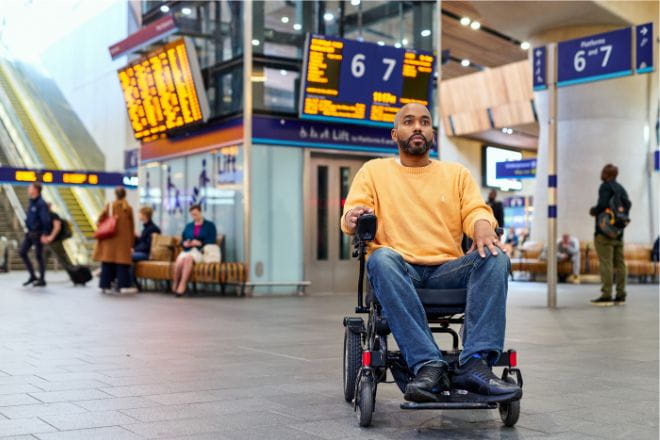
point(366, 399)
point(510, 411)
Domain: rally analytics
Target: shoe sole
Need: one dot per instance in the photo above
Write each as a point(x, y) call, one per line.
point(603, 304)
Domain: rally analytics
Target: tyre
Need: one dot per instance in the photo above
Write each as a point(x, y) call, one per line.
point(366, 401)
point(510, 411)
point(352, 362)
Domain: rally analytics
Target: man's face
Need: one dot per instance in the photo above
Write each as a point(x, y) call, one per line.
point(566, 238)
point(414, 133)
point(33, 193)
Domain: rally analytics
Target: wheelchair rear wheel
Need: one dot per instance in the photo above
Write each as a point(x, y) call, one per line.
point(366, 401)
point(352, 362)
point(510, 411)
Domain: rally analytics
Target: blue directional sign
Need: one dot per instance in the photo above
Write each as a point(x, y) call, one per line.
point(596, 57)
point(539, 69)
point(656, 160)
point(516, 169)
point(644, 48)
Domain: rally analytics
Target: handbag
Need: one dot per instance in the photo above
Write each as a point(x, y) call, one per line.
point(108, 227)
point(211, 254)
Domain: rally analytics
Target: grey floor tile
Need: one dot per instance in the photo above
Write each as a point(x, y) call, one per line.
point(23, 426)
point(110, 433)
point(41, 409)
point(87, 420)
point(116, 403)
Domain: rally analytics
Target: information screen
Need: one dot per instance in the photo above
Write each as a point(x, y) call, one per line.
point(353, 81)
point(61, 177)
point(164, 90)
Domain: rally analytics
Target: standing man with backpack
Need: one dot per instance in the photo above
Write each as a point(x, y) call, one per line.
point(612, 216)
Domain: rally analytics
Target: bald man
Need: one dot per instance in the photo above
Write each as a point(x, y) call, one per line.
point(424, 207)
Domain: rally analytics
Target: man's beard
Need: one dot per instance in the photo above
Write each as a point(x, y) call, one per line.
point(413, 150)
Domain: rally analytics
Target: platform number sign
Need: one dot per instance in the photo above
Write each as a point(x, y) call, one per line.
point(596, 57)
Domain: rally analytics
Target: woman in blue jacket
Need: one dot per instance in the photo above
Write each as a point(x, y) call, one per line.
point(196, 235)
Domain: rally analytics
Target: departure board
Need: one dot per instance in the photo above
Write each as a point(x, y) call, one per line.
point(164, 90)
point(353, 81)
point(60, 177)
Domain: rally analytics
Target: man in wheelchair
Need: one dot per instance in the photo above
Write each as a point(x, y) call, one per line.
point(424, 207)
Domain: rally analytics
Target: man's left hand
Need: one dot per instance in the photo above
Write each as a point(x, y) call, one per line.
point(485, 236)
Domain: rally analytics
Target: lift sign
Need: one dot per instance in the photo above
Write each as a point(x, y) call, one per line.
point(596, 57)
point(358, 82)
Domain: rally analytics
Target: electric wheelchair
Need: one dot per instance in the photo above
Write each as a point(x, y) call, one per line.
point(367, 359)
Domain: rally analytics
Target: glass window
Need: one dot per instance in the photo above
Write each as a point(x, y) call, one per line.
point(322, 213)
point(225, 93)
point(280, 91)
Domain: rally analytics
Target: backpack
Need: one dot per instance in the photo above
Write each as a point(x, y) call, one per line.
point(616, 216)
point(65, 231)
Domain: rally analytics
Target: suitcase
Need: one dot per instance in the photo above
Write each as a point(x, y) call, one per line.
point(80, 275)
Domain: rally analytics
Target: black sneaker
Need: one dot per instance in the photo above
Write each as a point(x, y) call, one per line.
point(602, 301)
point(40, 283)
point(430, 381)
point(30, 281)
point(620, 301)
point(477, 377)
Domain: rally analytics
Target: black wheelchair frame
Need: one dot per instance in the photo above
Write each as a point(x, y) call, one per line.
point(366, 357)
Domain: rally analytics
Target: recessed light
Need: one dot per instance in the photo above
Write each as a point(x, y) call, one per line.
point(465, 62)
point(355, 2)
point(283, 72)
point(524, 45)
point(426, 32)
point(475, 25)
point(186, 11)
point(285, 20)
point(397, 45)
point(381, 43)
point(164, 9)
point(328, 16)
point(465, 21)
point(404, 41)
point(255, 42)
point(297, 27)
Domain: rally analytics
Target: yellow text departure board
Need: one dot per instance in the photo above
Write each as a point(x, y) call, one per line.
point(354, 81)
point(164, 91)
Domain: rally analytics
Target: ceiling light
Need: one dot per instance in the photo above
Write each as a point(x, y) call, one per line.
point(186, 11)
point(297, 27)
point(328, 16)
point(504, 130)
point(164, 9)
point(426, 32)
point(283, 72)
point(524, 45)
point(404, 41)
point(285, 20)
point(255, 42)
point(475, 25)
point(381, 43)
point(465, 62)
point(397, 45)
point(355, 2)
point(465, 21)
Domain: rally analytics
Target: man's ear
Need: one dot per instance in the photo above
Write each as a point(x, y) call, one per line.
point(395, 135)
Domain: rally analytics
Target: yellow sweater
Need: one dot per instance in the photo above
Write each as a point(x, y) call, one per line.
point(422, 212)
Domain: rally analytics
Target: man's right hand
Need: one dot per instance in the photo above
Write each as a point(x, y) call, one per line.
point(352, 216)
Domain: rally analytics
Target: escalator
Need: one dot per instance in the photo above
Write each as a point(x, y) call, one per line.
point(43, 153)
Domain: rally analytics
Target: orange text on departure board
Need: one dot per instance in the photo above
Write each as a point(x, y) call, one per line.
point(160, 92)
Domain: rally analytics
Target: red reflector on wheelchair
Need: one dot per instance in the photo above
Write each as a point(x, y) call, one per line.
point(366, 358)
point(513, 359)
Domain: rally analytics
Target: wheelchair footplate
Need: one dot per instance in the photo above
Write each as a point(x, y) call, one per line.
point(460, 399)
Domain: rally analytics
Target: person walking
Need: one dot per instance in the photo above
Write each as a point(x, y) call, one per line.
point(55, 240)
point(497, 207)
point(611, 213)
point(38, 224)
point(114, 253)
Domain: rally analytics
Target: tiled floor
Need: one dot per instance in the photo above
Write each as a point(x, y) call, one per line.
point(78, 365)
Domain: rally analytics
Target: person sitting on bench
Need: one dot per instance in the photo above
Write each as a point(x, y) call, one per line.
point(424, 207)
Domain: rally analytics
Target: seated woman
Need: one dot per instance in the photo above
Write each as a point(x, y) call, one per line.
point(142, 246)
point(196, 235)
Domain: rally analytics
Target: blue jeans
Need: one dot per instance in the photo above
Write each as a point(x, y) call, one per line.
point(394, 282)
point(112, 271)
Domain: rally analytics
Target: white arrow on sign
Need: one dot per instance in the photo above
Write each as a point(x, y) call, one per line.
point(643, 30)
point(538, 53)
